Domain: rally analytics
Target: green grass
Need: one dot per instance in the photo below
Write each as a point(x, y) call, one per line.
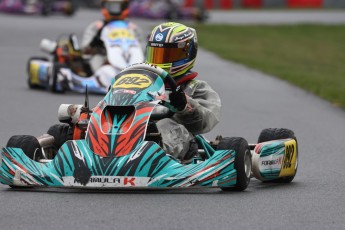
point(309, 56)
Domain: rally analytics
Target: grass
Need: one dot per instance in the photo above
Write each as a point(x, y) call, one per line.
point(309, 56)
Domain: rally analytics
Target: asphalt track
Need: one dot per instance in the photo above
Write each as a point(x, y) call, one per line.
point(251, 101)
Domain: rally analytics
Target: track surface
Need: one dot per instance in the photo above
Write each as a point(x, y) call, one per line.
point(251, 101)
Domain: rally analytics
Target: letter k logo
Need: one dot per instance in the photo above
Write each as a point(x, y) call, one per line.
point(129, 181)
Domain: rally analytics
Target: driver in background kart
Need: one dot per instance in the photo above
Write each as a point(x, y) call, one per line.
point(91, 44)
point(173, 47)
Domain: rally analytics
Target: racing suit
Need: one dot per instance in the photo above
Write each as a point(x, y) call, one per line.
point(200, 115)
point(91, 43)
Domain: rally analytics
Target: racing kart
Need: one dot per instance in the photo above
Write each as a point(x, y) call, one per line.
point(43, 7)
point(117, 145)
point(69, 69)
point(166, 10)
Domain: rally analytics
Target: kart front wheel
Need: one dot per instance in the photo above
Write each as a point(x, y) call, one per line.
point(29, 145)
point(243, 161)
point(276, 134)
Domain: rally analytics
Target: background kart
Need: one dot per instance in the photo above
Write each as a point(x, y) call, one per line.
point(70, 71)
point(163, 10)
point(117, 146)
point(43, 7)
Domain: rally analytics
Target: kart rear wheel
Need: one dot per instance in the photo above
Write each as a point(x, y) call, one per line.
point(276, 134)
point(28, 70)
point(243, 161)
point(29, 144)
point(61, 133)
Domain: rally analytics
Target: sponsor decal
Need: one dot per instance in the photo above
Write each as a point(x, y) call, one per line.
point(272, 162)
point(290, 159)
point(157, 44)
point(120, 34)
point(289, 152)
point(183, 36)
point(114, 180)
point(109, 181)
point(159, 37)
point(132, 81)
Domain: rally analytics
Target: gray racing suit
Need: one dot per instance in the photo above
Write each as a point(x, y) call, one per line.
point(200, 115)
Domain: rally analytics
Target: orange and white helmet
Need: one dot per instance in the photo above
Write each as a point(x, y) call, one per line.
point(115, 9)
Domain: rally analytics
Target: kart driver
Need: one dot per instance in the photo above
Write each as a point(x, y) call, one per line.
point(91, 43)
point(173, 47)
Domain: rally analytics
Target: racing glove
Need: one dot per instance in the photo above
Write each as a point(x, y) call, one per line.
point(178, 99)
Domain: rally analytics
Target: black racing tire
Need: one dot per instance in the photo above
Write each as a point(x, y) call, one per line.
point(61, 133)
point(243, 161)
point(33, 86)
point(275, 134)
point(29, 144)
point(271, 134)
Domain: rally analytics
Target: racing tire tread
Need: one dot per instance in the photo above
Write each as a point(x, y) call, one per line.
point(240, 146)
point(28, 144)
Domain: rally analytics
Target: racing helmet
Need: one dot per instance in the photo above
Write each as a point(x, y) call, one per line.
point(173, 47)
point(115, 9)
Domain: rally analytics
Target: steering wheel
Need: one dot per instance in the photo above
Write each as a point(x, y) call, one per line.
point(167, 78)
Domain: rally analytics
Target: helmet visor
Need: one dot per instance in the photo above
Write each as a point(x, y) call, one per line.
point(159, 53)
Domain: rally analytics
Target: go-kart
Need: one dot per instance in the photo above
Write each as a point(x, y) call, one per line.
point(43, 7)
point(166, 10)
point(69, 69)
point(116, 145)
